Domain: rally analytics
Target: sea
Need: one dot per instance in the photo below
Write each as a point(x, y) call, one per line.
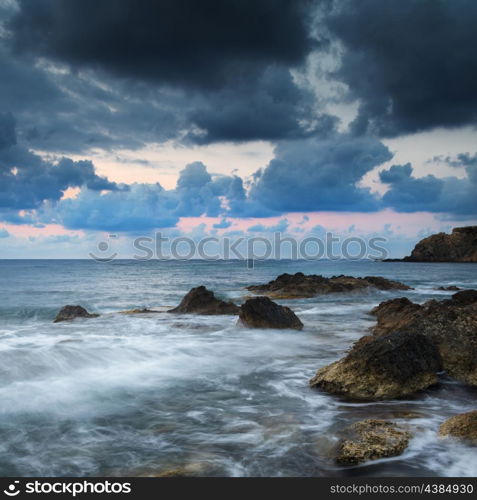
point(153, 394)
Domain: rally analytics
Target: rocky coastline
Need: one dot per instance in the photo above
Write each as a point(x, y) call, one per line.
point(407, 350)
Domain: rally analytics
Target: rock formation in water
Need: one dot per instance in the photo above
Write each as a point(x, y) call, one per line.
point(261, 312)
point(450, 324)
point(299, 285)
point(393, 314)
point(202, 301)
point(463, 426)
point(371, 440)
point(459, 246)
point(68, 313)
point(386, 367)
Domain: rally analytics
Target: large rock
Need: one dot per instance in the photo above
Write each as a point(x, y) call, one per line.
point(68, 313)
point(459, 246)
point(371, 440)
point(387, 367)
point(463, 426)
point(202, 301)
point(450, 324)
point(300, 285)
point(261, 312)
point(393, 314)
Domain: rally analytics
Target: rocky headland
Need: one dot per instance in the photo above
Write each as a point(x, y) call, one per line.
point(459, 246)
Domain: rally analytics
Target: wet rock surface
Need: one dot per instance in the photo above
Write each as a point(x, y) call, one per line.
point(463, 426)
point(261, 312)
point(450, 324)
point(200, 300)
point(393, 314)
point(371, 439)
point(68, 313)
point(387, 367)
point(300, 285)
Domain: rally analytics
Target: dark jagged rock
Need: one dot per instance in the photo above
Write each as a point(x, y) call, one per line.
point(393, 314)
point(387, 367)
point(451, 288)
point(463, 426)
point(450, 324)
point(261, 312)
point(300, 285)
point(464, 298)
point(371, 440)
point(459, 246)
point(68, 313)
point(202, 301)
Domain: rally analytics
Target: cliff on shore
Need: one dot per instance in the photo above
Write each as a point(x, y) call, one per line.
point(459, 246)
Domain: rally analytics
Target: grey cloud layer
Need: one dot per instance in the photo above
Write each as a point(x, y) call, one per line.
point(79, 74)
point(308, 175)
point(411, 63)
point(27, 181)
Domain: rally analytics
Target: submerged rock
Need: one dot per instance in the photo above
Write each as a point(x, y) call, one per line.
point(451, 288)
point(300, 285)
point(463, 426)
point(68, 313)
point(261, 312)
point(139, 311)
point(202, 301)
point(450, 324)
point(459, 246)
point(387, 367)
point(370, 440)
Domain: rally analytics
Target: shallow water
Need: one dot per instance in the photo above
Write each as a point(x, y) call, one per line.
point(127, 395)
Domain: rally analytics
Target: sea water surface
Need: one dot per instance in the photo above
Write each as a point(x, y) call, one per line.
point(144, 394)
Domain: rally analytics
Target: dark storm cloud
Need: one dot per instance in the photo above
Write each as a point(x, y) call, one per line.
point(216, 70)
point(198, 44)
point(321, 175)
point(270, 107)
point(27, 181)
point(412, 64)
point(7, 131)
point(430, 194)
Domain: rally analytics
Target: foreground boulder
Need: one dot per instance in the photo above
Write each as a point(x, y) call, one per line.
point(202, 301)
point(261, 312)
point(68, 313)
point(450, 324)
point(459, 246)
point(387, 367)
point(463, 426)
point(299, 285)
point(370, 440)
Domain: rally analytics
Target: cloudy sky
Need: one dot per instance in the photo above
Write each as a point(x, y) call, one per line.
point(230, 118)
